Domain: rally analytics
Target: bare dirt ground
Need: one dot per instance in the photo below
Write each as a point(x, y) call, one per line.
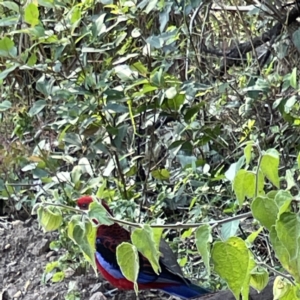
point(24, 253)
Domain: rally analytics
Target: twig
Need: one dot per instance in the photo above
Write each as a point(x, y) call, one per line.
point(165, 226)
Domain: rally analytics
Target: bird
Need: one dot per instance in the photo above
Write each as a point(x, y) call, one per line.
point(169, 280)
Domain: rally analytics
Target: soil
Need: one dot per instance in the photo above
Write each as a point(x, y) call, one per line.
point(24, 253)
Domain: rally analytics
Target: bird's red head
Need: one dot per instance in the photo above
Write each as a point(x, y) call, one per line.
point(85, 201)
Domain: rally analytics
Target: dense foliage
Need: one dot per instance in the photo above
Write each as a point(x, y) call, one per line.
point(174, 112)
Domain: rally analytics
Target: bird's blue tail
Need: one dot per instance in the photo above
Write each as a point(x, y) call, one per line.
point(186, 291)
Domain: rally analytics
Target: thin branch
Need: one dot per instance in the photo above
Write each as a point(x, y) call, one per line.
point(165, 226)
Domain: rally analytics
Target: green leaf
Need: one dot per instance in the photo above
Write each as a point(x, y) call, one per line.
point(293, 78)
point(143, 240)
point(83, 234)
point(58, 276)
point(51, 266)
point(289, 177)
point(288, 231)
point(191, 112)
point(251, 238)
point(283, 289)
point(32, 60)
point(265, 210)
point(234, 262)
point(280, 250)
point(32, 14)
point(151, 5)
point(128, 260)
point(269, 166)
point(11, 5)
point(248, 151)
point(203, 240)
point(140, 68)
point(50, 218)
point(75, 15)
point(298, 160)
point(5, 105)
point(161, 174)
point(244, 185)
point(296, 39)
point(98, 212)
point(37, 107)
point(46, 3)
point(174, 103)
point(259, 278)
point(7, 48)
point(283, 200)
point(171, 92)
point(229, 229)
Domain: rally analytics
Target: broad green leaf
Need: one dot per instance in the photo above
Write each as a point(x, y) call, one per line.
point(288, 231)
point(83, 234)
point(49, 217)
point(244, 185)
point(283, 289)
point(283, 200)
point(259, 278)
point(203, 240)
point(128, 260)
point(161, 174)
point(37, 107)
point(98, 212)
point(5, 105)
point(298, 160)
point(143, 240)
point(229, 229)
point(7, 48)
point(11, 5)
point(265, 210)
point(32, 14)
point(280, 250)
point(234, 262)
point(269, 166)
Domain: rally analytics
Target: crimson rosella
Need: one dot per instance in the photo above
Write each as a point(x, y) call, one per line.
point(170, 279)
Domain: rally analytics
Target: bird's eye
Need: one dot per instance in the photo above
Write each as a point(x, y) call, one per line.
point(98, 241)
point(84, 205)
